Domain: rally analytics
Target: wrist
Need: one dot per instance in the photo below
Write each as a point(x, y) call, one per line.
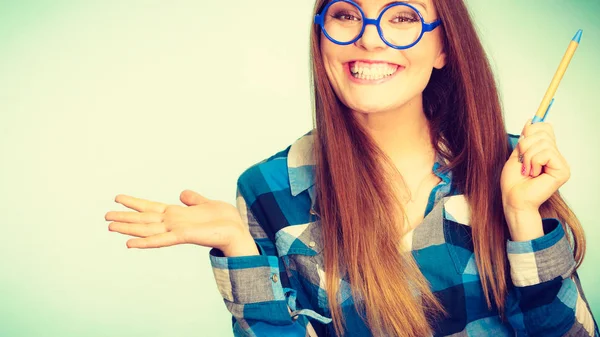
point(242, 245)
point(524, 225)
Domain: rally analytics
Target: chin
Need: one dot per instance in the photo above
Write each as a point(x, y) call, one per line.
point(369, 109)
point(372, 106)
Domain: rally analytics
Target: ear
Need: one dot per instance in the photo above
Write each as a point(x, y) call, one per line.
point(440, 60)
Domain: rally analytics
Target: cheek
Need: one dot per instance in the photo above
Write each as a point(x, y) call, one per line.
point(330, 62)
point(420, 56)
point(425, 52)
point(327, 50)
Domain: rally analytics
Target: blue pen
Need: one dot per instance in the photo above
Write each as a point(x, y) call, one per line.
point(537, 119)
point(548, 99)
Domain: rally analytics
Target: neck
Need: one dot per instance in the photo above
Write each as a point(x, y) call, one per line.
point(404, 136)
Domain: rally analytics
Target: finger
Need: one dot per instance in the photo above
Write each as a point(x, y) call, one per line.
point(535, 140)
point(550, 161)
point(533, 136)
point(155, 241)
point(191, 198)
point(539, 127)
point(134, 217)
point(137, 229)
point(526, 142)
point(538, 161)
point(529, 147)
point(140, 205)
point(516, 153)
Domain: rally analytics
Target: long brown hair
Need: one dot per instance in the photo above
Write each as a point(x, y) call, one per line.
point(359, 209)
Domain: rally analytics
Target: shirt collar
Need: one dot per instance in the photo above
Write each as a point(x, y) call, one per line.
point(301, 164)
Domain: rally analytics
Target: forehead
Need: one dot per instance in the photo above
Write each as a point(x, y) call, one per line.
point(379, 4)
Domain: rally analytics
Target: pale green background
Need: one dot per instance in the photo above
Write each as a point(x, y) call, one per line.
point(151, 97)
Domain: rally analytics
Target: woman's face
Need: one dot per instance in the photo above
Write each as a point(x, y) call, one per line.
point(369, 76)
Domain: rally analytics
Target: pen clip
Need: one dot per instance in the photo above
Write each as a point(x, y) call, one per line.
point(537, 119)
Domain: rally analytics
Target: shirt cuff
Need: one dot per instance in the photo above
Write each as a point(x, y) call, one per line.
point(251, 287)
point(247, 279)
point(542, 259)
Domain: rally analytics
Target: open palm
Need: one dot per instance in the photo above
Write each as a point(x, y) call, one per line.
point(204, 222)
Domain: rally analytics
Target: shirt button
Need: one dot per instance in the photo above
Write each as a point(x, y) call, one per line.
point(275, 278)
point(311, 244)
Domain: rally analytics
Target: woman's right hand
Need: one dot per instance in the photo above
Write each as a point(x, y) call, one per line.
point(204, 222)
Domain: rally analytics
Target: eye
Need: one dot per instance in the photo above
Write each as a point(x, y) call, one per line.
point(345, 16)
point(405, 18)
point(402, 15)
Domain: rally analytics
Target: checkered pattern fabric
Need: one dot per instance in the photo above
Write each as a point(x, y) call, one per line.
point(282, 291)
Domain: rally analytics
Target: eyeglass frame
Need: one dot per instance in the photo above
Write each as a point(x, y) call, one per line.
point(425, 26)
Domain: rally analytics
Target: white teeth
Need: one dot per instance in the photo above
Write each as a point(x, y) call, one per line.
point(372, 71)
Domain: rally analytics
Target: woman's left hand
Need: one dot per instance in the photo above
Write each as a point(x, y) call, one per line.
point(534, 171)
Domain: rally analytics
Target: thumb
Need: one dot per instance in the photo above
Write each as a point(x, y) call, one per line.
point(191, 198)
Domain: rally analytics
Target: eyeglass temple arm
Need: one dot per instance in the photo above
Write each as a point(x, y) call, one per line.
point(318, 19)
point(427, 27)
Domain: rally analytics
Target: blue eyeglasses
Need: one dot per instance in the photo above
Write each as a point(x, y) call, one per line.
point(400, 25)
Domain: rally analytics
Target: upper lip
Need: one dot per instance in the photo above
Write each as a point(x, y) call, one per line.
point(375, 61)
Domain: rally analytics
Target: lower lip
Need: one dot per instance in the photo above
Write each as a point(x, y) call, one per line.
point(364, 81)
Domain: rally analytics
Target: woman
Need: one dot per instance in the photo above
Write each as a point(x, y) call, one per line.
point(407, 211)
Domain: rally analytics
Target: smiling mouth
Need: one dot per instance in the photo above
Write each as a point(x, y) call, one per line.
point(372, 71)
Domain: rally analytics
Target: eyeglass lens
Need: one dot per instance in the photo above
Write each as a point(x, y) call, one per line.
point(400, 24)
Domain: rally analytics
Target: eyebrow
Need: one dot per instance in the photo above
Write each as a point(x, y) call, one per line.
point(359, 2)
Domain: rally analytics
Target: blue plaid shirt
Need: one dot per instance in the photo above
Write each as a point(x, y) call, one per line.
point(282, 292)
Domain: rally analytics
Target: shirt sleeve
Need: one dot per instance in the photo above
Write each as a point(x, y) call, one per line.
point(254, 288)
point(547, 298)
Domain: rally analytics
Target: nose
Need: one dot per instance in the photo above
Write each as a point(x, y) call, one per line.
point(370, 40)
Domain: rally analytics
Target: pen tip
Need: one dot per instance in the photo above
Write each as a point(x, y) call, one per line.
point(577, 37)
